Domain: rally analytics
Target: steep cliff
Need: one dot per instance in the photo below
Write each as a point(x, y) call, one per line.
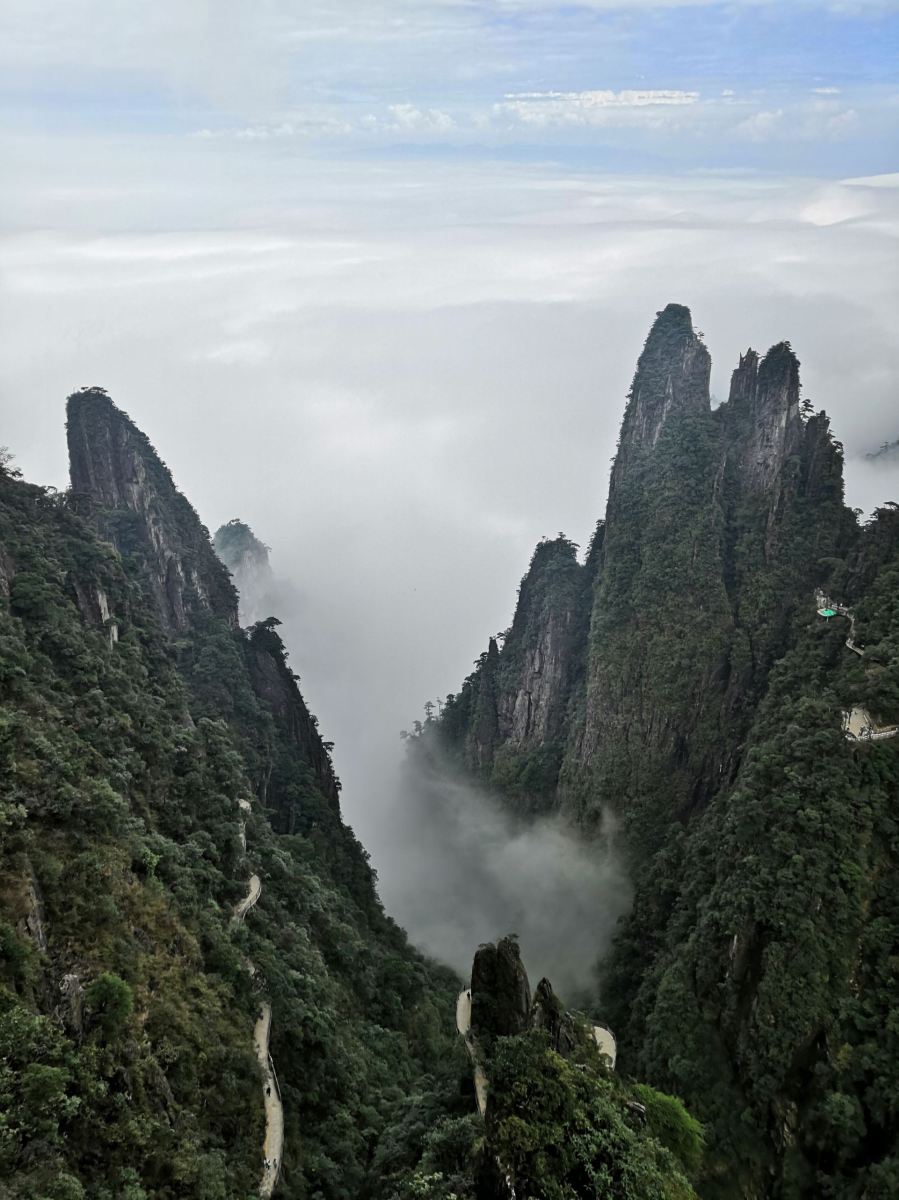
point(248, 561)
point(135, 504)
point(509, 721)
point(127, 493)
point(146, 777)
point(705, 726)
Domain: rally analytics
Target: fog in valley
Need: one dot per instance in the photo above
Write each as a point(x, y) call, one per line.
point(392, 326)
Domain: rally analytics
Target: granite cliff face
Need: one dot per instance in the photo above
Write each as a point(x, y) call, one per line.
point(764, 407)
point(543, 648)
point(511, 716)
point(168, 814)
point(135, 503)
point(671, 381)
point(129, 496)
point(696, 710)
point(248, 561)
point(635, 675)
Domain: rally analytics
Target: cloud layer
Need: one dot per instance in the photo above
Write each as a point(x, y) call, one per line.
point(404, 375)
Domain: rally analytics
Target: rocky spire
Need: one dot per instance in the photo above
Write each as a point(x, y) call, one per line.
point(247, 560)
point(544, 646)
point(133, 501)
point(762, 416)
point(500, 991)
point(672, 377)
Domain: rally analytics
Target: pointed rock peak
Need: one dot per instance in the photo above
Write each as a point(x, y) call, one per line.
point(745, 378)
point(673, 319)
point(672, 377)
point(780, 368)
point(557, 549)
point(500, 991)
point(135, 504)
point(763, 418)
point(553, 561)
point(246, 557)
point(239, 548)
point(778, 388)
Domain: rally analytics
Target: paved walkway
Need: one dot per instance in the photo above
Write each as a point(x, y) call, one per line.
point(463, 1024)
point(605, 1039)
point(255, 891)
point(860, 726)
point(273, 1145)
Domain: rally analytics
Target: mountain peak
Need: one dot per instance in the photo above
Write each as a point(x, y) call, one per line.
point(135, 504)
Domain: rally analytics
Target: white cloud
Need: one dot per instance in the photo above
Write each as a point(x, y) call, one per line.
point(820, 120)
point(590, 107)
point(408, 117)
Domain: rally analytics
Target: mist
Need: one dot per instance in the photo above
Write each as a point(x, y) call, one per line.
point(464, 871)
point(456, 868)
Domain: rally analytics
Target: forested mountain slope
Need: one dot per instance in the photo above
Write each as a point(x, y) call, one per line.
point(135, 717)
point(680, 689)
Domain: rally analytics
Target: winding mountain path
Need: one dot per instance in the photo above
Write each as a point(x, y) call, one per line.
point(273, 1145)
point(255, 891)
point(605, 1040)
point(463, 1024)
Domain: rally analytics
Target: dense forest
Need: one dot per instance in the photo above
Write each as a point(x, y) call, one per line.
point(175, 872)
point(135, 717)
point(717, 684)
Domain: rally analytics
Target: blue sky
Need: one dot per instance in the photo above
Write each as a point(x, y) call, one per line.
point(637, 85)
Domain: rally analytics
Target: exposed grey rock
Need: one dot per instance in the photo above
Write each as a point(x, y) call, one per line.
point(762, 420)
point(548, 1013)
point(672, 378)
point(134, 503)
point(33, 920)
point(71, 1008)
point(500, 991)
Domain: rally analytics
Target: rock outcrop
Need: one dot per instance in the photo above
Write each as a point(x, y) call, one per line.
point(543, 649)
point(248, 561)
point(501, 1004)
point(129, 495)
point(672, 379)
point(764, 424)
point(275, 685)
point(500, 991)
point(133, 502)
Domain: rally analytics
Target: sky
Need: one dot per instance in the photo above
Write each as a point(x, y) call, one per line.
point(373, 276)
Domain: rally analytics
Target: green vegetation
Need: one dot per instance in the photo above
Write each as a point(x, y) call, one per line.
point(755, 975)
point(126, 1011)
point(563, 1129)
